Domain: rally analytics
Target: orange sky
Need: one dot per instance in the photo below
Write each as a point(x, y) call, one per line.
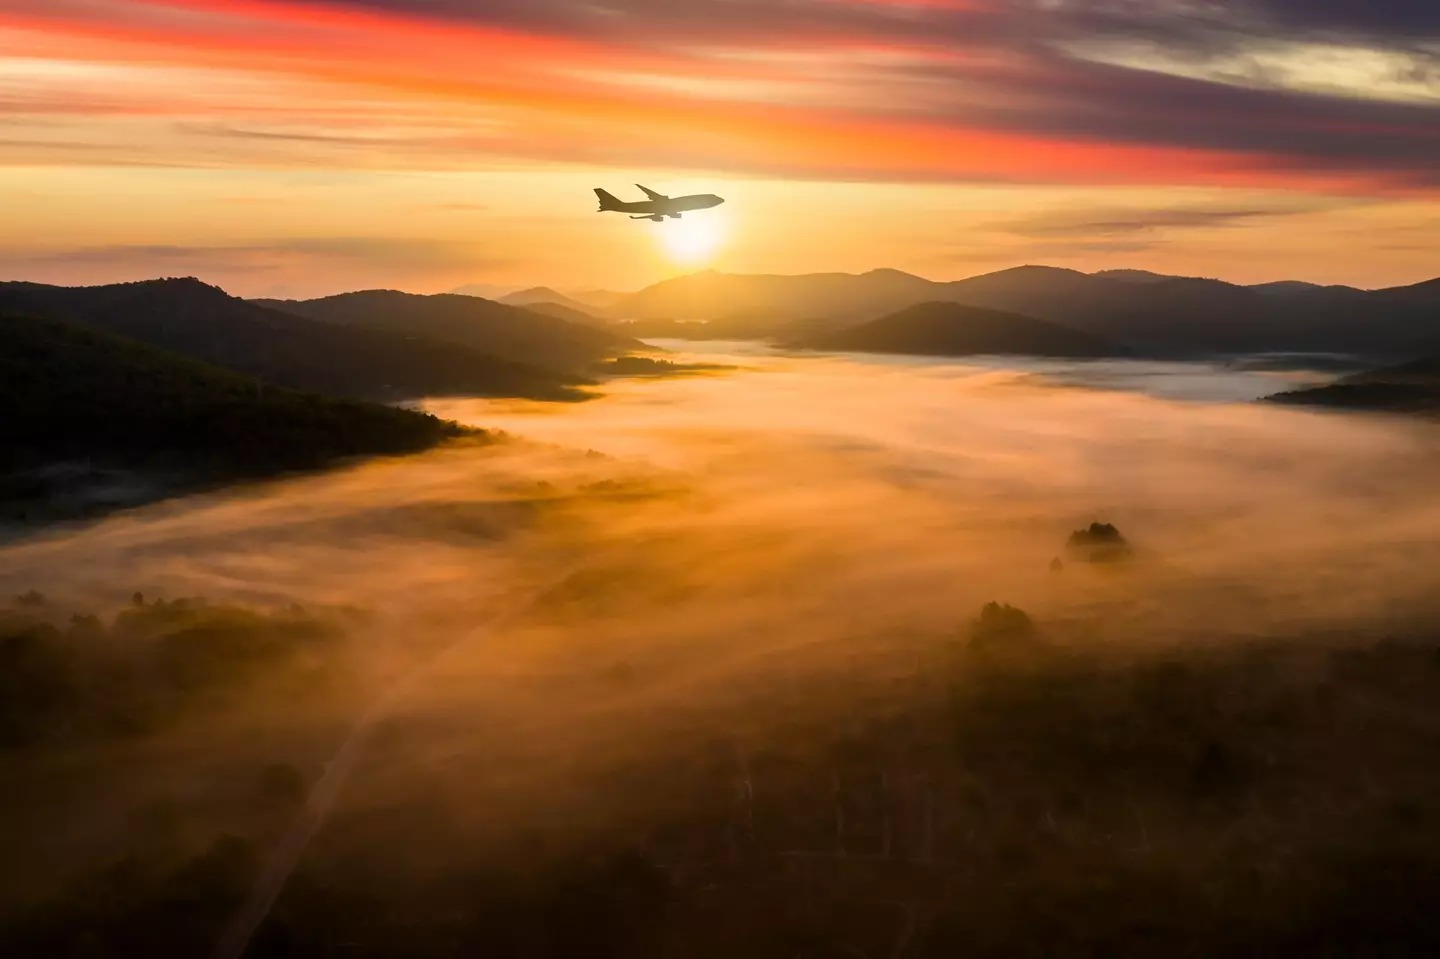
point(306, 146)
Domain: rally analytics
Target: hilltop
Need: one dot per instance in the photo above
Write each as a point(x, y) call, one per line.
point(541, 294)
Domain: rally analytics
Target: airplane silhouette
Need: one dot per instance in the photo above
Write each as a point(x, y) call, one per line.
point(658, 206)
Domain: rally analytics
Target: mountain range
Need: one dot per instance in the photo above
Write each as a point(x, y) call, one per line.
point(174, 377)
point(1151, 313)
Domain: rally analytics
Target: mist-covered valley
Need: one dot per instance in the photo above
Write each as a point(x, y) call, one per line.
point(797, 658)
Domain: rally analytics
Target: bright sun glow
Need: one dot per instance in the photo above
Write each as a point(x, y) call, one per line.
point(694, 240)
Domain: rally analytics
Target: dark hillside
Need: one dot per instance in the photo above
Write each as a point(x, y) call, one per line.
point(951, 329)
point(1412, 387)
point(569, 314)
point(204, 322)
point(80, 400)
point(481, 325)
point(711, 295)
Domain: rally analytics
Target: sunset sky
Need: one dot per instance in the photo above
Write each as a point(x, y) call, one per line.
point(303, 147)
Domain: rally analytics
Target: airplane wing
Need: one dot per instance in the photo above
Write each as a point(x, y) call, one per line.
point(651, 193)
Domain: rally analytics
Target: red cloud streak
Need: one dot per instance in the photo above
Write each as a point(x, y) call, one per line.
point(575, 97)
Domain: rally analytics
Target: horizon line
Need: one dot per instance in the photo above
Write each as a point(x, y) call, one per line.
point(569, 290)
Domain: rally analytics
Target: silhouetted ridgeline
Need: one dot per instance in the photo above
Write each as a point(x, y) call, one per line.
point(1165, 315)
point(201, 321)
point(533, 294)
point(540, 296)
point(478, 324)
point(710, 295)
point(951, 329)
point(78, 400)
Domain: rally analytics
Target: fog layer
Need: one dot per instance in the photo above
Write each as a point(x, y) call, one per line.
point(652, 570)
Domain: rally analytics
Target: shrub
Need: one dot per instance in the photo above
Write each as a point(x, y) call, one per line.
point(1001, 623)
point(1100, 543)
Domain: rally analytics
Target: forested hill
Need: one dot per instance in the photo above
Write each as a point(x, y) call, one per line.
point(1412, 387)
point(77, 399)
point(204, 322)
point(478, 324)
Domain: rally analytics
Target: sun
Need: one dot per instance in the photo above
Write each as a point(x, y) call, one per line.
point(694, 240)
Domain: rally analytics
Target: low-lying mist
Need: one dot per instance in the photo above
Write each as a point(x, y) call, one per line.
point(617, 632)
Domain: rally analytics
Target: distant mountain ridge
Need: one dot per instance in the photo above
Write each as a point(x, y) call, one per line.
point(1295, 288)
point(710, 295)
point(953, 329)
point(588, 301)
point(540, 294)
point(1158, 314)
point(1137, 276)
point(596, 299)
point(186, 316)
point(488, 291)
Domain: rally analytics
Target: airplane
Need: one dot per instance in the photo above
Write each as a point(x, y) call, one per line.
point(657, 206)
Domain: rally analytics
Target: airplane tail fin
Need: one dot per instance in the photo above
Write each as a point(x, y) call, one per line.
point(607, 201)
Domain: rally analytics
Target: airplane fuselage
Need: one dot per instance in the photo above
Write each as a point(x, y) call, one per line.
point(658, 207)
point(678, 204)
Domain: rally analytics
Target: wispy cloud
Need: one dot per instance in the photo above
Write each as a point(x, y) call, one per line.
point(1084, 91)
point(1111, 223)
